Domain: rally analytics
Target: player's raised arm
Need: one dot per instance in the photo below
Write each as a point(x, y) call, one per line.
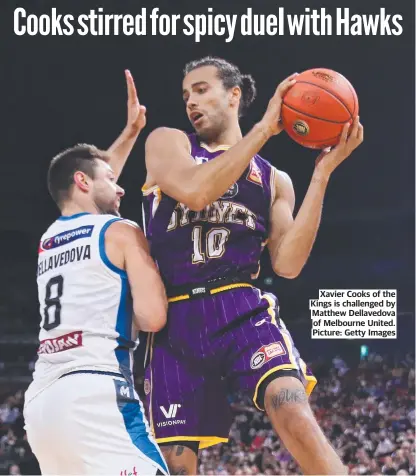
point(172, 168)
point(136, 120)
point(290, 241)
point(127, 249)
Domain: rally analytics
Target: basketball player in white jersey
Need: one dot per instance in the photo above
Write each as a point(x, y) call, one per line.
point(97, 286)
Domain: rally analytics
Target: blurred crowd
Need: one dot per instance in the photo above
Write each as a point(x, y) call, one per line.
point(367, 412)
point(16, 456)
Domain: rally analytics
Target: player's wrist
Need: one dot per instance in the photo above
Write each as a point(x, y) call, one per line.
point(321, 174)
point(131, 131)
point(263, 128)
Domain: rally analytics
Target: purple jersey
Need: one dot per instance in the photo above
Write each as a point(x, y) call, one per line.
point(225, 239)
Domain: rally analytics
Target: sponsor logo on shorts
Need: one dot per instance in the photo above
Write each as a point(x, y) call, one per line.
point(266, 353)
point(147, 386)
point(59, 344)
point(65, 238)
point(129, 473)
point(170, 414)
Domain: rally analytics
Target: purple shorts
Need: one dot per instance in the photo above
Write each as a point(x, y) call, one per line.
point(211, 347)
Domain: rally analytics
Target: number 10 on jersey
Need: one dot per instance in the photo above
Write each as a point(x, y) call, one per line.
point(213, 246)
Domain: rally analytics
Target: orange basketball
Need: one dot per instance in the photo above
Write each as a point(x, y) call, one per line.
point(316, 108)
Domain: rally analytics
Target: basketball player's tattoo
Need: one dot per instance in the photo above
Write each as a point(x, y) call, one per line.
point(178, 470)
point(167, 450)
point(179, 450)
point(287, 395)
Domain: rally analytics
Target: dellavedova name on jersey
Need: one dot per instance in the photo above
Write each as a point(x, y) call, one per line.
point(79, 253)
point(66, 237)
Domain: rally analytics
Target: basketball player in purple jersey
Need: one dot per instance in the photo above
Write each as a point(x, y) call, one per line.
point(211, 205)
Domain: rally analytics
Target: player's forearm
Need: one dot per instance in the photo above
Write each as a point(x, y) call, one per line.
point(213, 178)
point(120, 150)
point(296, 245)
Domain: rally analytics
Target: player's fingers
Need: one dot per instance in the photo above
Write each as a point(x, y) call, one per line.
point(360, 133)
point(354, 127)
point(283, 87)
point(131, 87)
point(286, 83)
point(292, 76)
point(344, 134)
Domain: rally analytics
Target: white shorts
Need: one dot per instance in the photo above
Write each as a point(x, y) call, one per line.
point(88, 423)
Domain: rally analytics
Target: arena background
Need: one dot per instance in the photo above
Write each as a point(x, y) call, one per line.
point(59, 91)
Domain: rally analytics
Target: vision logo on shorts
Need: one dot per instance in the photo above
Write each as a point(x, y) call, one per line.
point(170, 414)
point(266, 353)
point(66, 237)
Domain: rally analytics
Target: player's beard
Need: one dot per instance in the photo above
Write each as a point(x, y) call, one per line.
point(112, 211)
point(107, 209)
point(211, 133)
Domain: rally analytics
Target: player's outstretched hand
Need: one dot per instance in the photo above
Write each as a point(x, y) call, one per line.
point(136, 113)
point(271, 119)
point(351, 137)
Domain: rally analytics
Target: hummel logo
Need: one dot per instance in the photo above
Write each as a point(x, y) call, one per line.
point(171, 413)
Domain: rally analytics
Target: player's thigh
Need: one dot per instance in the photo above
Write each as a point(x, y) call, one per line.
point(102, 429)
point(185, 402)
point(47, 430)
point(266, 351)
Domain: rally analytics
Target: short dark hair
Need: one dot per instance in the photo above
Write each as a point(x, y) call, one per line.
point(82, 157)
point(230, 76)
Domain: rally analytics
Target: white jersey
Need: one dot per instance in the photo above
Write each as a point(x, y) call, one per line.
point(85, 303)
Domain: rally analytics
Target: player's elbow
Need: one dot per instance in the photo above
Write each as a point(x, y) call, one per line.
point(195, 191)
point(196, 203)
point(287, 271)
point(156, 324)
point(151, 319)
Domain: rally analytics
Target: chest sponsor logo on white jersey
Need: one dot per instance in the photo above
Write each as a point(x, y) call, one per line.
point(66, 237)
